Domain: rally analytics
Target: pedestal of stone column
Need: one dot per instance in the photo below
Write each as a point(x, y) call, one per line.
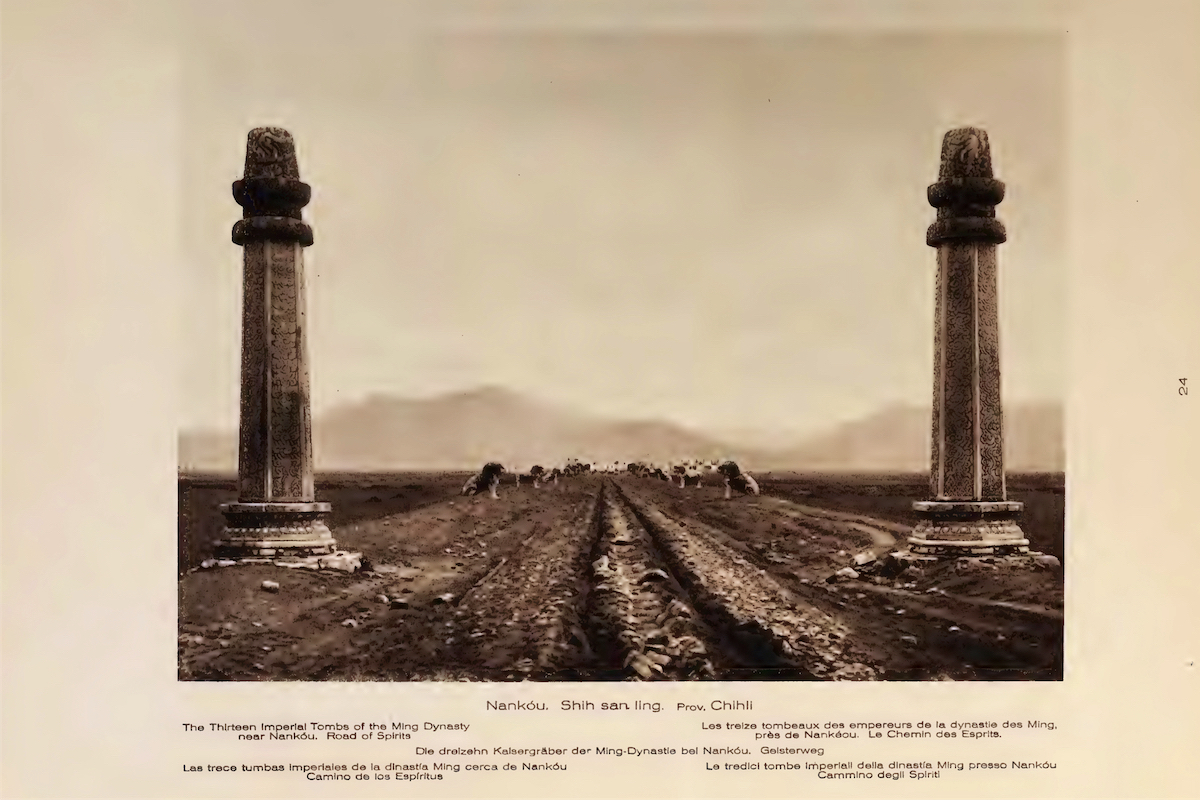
point(275, 531)
point(277, 517)
point(968, 529)
point(969, 512)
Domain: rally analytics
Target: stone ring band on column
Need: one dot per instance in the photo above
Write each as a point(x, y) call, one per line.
point(271, 197)
point(275, 229)
point(966, 191)
point(988, 230)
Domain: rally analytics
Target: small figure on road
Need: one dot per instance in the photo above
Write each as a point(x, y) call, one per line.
point(486, 479)
point(735, 478)
point(534, 476)
point(677, 472)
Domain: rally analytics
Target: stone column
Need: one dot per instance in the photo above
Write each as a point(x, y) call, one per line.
point(969, 512)
point(276, 515)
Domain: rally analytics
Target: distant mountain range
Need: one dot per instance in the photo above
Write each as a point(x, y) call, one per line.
point(896, 439)
point(463, 430)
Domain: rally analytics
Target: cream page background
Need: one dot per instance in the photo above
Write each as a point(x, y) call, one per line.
point(91, 333)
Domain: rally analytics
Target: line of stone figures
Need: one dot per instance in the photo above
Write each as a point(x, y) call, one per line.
point(685, 473)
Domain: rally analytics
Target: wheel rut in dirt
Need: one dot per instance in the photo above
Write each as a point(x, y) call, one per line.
point(523, 620)
point(643, 622)
point(765, 632)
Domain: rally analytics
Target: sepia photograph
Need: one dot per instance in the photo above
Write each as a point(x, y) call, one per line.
point(572, 398)
point(620, 354)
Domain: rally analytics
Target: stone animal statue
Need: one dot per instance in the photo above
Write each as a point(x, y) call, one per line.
point(487, 479)
point(735, 478)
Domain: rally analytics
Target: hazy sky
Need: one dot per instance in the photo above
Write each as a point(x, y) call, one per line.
point(721, 227)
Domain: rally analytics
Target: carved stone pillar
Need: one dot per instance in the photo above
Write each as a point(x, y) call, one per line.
point(276, 515)
point(969, 512)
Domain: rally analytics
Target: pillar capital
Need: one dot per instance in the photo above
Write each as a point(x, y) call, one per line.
point(966, 193)
point(271, 193)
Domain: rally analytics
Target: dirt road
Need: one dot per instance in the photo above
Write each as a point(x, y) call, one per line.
point(619, 578)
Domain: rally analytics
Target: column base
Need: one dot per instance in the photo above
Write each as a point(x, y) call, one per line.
point(957, 529)
point(275, 531)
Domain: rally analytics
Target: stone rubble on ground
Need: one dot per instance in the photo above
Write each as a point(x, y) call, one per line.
point(528, 606)
point(644, 620)
point(340, 560)
point(804, 634)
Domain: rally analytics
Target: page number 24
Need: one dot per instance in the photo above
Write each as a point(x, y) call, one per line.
point(1183, 387)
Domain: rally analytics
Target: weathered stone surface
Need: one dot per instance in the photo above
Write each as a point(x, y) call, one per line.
point(346, 562)
point(271, 153)
point(844, 574)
